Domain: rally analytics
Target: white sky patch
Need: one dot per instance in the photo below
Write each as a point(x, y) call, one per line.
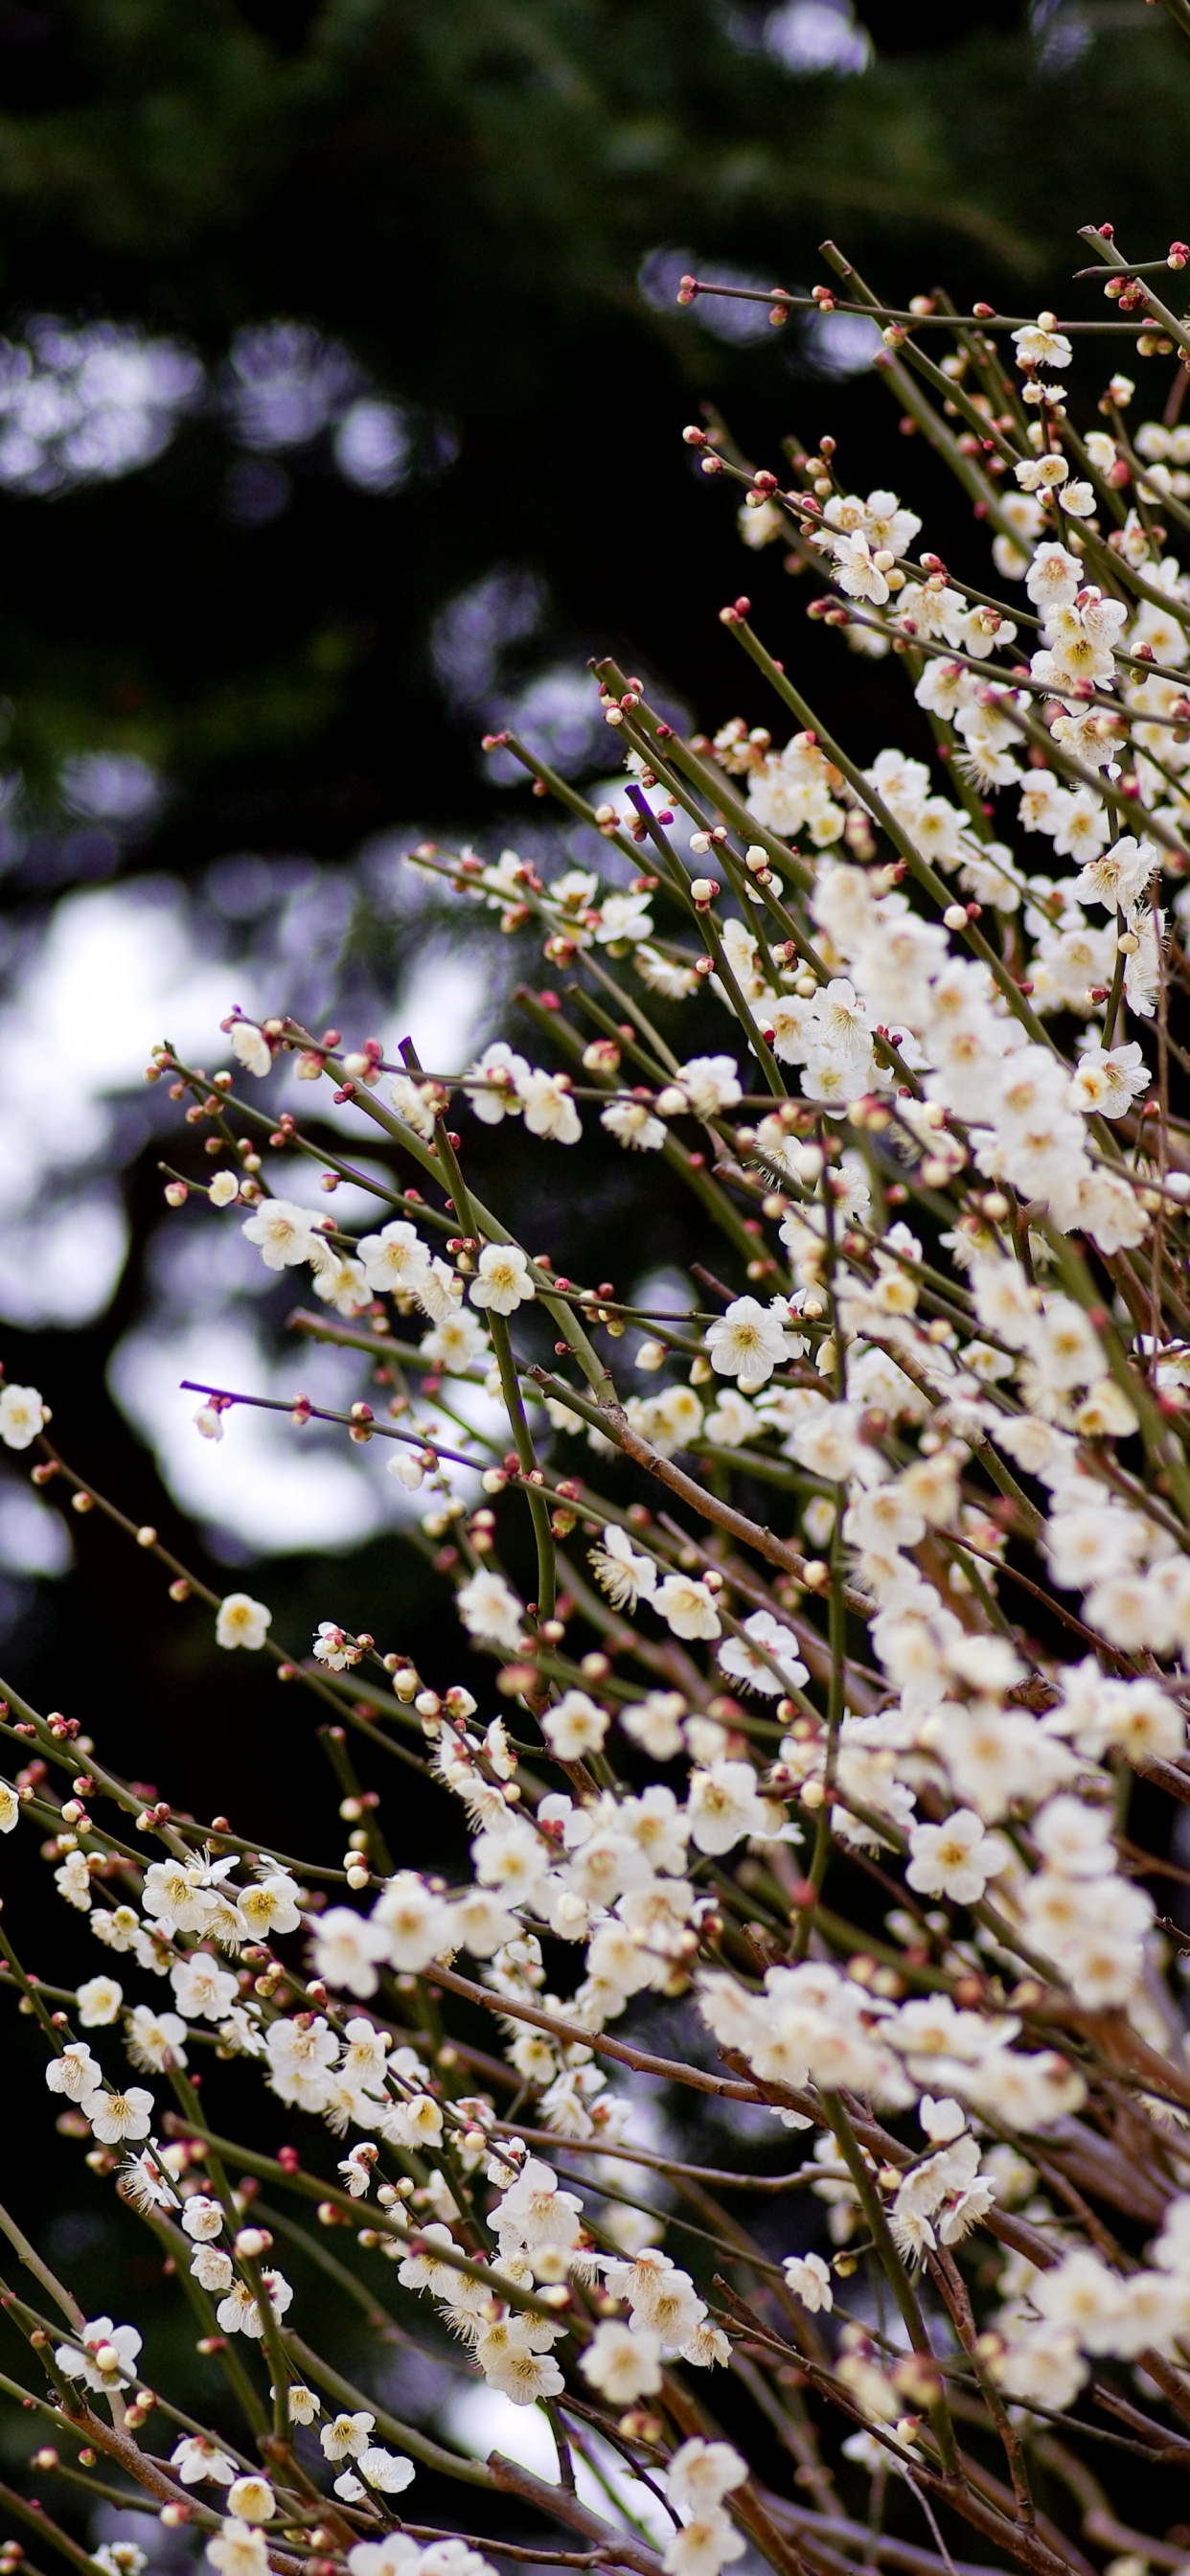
point(660, 275)
point(60, 1264)
point(269, 1486)
point(842, 344)
point(266, 1486)
point(441, 1010)
point(110, 786)
point(816, 36)
point(117, 967)
point(34, 1539)
point(89, 404)
point(444, 1008)
point(484, 2421)
point(296, 1176)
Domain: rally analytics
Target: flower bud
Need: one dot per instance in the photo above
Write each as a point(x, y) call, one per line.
point(252, 2242)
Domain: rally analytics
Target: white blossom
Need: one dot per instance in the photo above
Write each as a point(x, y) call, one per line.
point(502, 1282)
point(251, 1048)
point(283, 1234)
point(22, 1415)
point(242, 1621)
point(809, 2279)
point(622, 2364)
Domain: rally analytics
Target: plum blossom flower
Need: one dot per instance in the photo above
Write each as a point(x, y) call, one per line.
point(239, 2312)
point(686, 1606)
point(576, 1726)
point(856, 571)
point(827, 1441)
point(345, 2437)
point(725, 1805)
point(502, 1280)
point(1041, 344)
point(106, 2357)
point(514, 2367)
point(489, 1608)
point(622, 2363)
point(496, 1076)
point(251, 1048)
point(701, 2473)
point(252, 2498)
point(75, 2073)
point(708, 1083)
point(196, 2458)
point(99, 2002)
point(415, 1102)
point(1107, 1081)
point(416, 1924)
point(334, 1648)
point(213, 2270)
point(283, 1234)
point(955, 1859)
point(633, 1126)
point(1054, 575)
point(145, 2184)
point(202, 2218)
point(739, 1657)
point(1041, 473)
point(346, 1949)
point(622, 1572)
point(73, 1881)
point(116, 2116)
point(1118, 876)
point(388, 2471)
point(154, 2037)
point(749, 1341)
point(238, 2549)
point(271, 1906)
point(548, 1108)
point(809, 2279)
point(703, 2545)
point(22, 1414)
point(395, 1261)
point(202, 1991)
point(242, 1621)
point(456, 1343)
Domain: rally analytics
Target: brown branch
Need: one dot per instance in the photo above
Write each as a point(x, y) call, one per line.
point(672, 2068)
point(609, 1416)
point(617, 2548)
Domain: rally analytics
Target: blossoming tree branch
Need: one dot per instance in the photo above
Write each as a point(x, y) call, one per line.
point(833, 1767)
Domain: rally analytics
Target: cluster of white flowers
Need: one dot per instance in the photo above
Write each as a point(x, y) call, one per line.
point(830, 1781)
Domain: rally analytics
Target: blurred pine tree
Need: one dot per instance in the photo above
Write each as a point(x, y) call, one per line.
point(463, 198)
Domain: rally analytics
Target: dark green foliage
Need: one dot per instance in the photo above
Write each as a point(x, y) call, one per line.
point(463, 196)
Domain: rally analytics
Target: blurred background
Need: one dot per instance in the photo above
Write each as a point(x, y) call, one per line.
point(341, 389)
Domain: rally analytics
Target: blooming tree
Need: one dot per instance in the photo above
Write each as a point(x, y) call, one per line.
point(809, 1781)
